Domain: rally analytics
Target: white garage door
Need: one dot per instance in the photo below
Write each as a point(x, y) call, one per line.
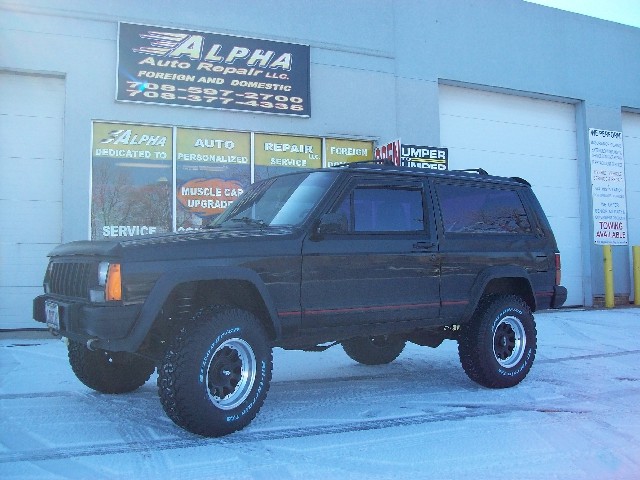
point(631, 134)
point(524, 137)
point(31, 132)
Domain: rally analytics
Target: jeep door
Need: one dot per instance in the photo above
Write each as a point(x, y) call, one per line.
point(373, 259)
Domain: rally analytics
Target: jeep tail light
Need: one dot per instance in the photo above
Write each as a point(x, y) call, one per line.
point(558, 269)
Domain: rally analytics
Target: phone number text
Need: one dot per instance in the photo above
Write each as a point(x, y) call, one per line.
point(213, 97)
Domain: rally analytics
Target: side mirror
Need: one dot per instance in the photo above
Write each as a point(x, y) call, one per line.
point(332, 223)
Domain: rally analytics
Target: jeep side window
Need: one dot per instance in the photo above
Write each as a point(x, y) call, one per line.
point(475, 209)
point(379, 209)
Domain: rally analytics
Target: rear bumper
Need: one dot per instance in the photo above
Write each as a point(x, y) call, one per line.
point(559, 296)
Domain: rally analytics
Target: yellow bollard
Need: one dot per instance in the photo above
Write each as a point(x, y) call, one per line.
point(636, 274)
point(609, 298)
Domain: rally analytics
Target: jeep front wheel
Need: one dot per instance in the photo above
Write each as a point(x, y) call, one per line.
point(215, 376)
point(498, 346)
point(375, 350)
point(108, 372)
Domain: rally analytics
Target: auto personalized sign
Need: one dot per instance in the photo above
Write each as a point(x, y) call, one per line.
point(171, 66)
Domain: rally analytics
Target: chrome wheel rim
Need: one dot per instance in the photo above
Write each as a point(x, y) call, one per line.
point(509, 342)
point(231, 373)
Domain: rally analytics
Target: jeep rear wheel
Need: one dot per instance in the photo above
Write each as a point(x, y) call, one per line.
point(215, 376)
point(108, 372)
point(498, 347)
point(376, 350)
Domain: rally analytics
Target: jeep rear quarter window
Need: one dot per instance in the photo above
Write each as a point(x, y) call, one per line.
point(482, 209)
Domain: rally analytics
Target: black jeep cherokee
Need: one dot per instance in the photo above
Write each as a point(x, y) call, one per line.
point(370, 256)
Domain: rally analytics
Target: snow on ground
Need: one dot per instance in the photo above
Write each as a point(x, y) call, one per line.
point(576, 416)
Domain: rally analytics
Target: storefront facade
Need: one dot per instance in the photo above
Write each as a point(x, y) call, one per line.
point(122, 119)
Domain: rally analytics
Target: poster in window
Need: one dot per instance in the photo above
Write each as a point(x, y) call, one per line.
point(340, 151)
point(132, 180)
point(422, 156)
point(278, 154)
point(212, 170)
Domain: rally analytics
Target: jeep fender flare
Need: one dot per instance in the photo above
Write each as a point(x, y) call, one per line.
point(172, 278)
point(486, 276)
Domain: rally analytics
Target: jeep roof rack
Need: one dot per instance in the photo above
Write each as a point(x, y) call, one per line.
point(479, 171)
point(521, 180)
point(382, 161)
point(388, 163)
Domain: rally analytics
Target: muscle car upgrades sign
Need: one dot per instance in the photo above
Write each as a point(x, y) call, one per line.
point(199, 69)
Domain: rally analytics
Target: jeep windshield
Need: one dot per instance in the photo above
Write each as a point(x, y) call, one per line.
point(278, 201)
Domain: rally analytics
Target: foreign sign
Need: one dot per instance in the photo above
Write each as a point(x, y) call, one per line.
point(389, 151)
point(339, 152)
point(172, 66)
point(434, 158)
point(608, 187)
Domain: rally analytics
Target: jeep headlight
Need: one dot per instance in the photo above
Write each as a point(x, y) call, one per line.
point(109, 283)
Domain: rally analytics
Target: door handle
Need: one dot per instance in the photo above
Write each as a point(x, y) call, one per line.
point(423, 245)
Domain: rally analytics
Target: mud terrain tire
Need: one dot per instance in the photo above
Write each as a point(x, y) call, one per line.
point(498, 346)
point(215, 376)
point(377, 350)
point(109, 372)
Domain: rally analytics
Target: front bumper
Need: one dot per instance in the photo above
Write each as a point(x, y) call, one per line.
point(86, 321)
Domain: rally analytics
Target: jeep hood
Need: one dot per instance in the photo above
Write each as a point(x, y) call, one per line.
point(174, 246)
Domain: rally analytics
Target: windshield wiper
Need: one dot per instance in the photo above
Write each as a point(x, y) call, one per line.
point(250, 221)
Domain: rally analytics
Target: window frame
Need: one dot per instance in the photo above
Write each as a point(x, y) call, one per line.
point(389, 183)
point(518, 192)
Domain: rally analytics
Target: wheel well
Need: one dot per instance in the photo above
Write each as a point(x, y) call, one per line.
point(512, 286)
point(186, 299)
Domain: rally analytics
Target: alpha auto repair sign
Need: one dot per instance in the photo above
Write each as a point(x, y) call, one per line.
point(169, 66)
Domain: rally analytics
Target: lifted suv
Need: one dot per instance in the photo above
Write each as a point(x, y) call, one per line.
point(370, 256)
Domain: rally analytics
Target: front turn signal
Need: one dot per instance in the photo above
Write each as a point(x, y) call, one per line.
point(113, 289)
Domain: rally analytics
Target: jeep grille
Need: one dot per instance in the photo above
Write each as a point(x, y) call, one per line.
point(71, 279)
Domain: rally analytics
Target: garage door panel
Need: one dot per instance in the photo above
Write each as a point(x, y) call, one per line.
point(533, 169)
point(16, 307)
point(24, 263)
point(632, 172)
point(509, 137)
point(558, 202)
point(571, 256)
point(43, 181)
point(543, 172)
point(43, 224)
point(31, 165)
point(517, 136)
point(18, 136)
point(631, 124)
point(573, 283)
point(31, 96)
point(490, 106)
point(631, 151)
